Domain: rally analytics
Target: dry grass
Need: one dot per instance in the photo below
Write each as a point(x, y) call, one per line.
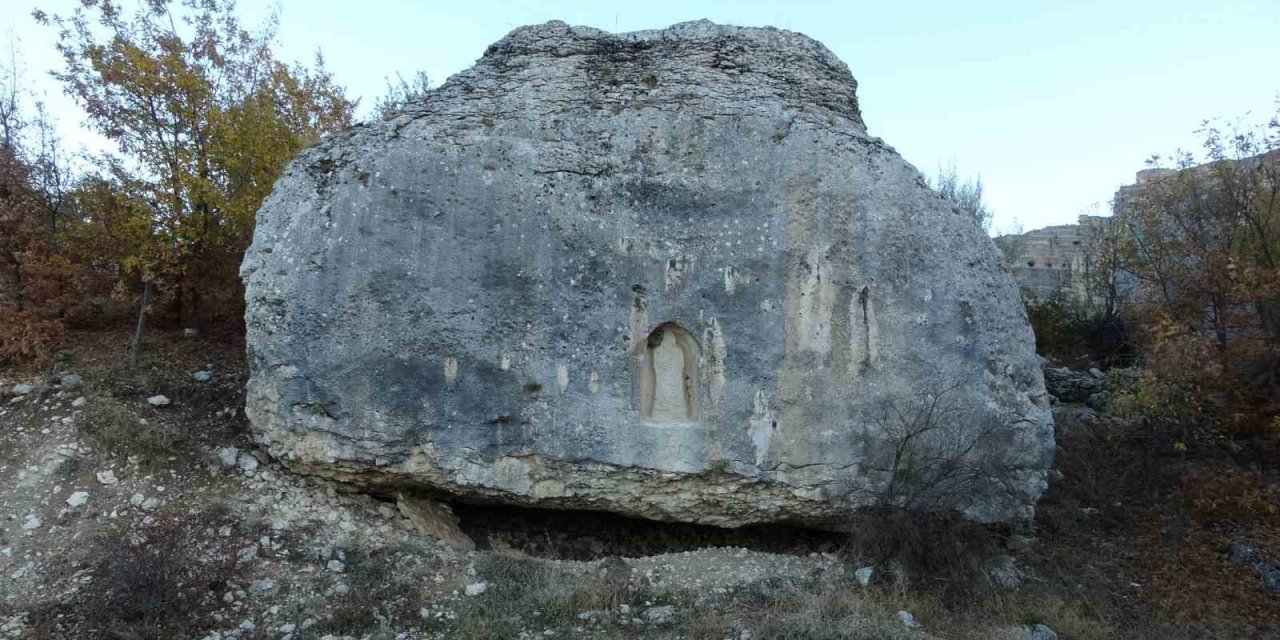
point(110, 425)
point(155, 582)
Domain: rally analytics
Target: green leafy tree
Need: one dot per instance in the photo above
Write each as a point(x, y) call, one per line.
point(204, 117)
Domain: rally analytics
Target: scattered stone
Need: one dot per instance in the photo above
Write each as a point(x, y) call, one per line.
point(863, 576)
point(78, 499)
point(1070, 386)
point(266, 587)
point(136, 500)
point(247, 554)
point(79, 402)
point(150, 504)
point(1271, 578)
point(22, 389)
point(107, 477)
point(70, 381)
point(191, 333)
point(228, 456)
point(658, 615)
point(202, 376)
point(476, 588)
point(1003, 573)
point(1245, 553)
point(1097, 373)
point(248, 625)
point(158, 401)
point(436, 520)
point(1043, 632)
point(288, 628)
point(336, 566)
point(909, 621)
point(31, 523)
point(247, 462)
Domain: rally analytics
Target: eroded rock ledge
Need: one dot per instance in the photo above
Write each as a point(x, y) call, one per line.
point(663, 273)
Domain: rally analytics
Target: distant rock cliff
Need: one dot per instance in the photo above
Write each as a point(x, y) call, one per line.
point(664, 273)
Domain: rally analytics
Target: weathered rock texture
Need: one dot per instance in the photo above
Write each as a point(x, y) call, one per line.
point(663, 273)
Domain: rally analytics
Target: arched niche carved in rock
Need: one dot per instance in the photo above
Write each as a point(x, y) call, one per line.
point(669, 376)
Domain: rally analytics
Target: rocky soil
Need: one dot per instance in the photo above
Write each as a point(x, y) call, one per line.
point(125, 517)
point(135, 506)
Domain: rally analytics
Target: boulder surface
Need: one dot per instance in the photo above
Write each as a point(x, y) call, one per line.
point(663, 273)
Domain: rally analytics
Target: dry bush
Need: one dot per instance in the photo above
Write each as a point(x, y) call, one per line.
point(112, 426)
point(939, 554)
point(1221, 494)
point(521, 586)
point(27, 336)
point(382, 593)
point(161, 581)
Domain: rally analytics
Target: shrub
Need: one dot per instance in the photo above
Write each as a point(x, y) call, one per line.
point(111, 426)
point(939, 553)
point(28, 336)
point(160, 581)
point(1069, 332)
point(1219, 493)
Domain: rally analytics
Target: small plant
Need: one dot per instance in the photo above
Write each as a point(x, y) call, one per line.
point(160, 581)
point(111, 426)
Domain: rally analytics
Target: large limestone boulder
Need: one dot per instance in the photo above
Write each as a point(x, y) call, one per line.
point(664, 273)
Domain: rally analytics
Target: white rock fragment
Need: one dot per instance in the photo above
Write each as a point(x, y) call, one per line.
point(227, 456)
point(266, 587)
point(107, 477)
point(78, 499)
point(22, 389)
point(336, 566)
point(79, 402)
point(158, 401)
point(476, 588)
point(658, 615)
point(202, 376)
point(863, 576)
point(909, 621)
point(247, 462)
point(31, 523)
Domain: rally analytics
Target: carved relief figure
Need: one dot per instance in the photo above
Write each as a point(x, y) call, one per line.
point(669, 376)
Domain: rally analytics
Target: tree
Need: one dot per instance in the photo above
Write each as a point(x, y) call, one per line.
point(1203, 237)
point(967, 195)
point(35, 280)
point(204, 117)
point(1012, 243)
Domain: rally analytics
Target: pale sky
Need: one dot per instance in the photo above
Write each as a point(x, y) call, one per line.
point(1055, 104)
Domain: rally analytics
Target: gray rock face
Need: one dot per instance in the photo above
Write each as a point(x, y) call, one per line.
point(664, 273)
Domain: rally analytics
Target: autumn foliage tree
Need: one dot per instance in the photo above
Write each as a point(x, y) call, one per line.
point(35, 279)
point(203, 117)
point(1203, 238)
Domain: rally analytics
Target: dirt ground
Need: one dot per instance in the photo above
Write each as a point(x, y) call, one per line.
point(120, 519)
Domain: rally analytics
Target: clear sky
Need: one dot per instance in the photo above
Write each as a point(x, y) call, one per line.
point(1054, 103)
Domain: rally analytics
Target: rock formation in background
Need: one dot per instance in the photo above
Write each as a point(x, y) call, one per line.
point(664, 273)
